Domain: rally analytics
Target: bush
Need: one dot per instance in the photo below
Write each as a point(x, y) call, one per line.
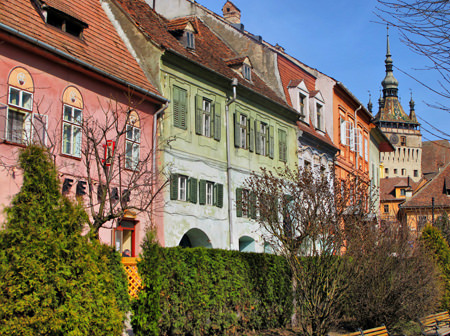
point(53, 280)
point(393, 282)
point(120, 278)
point(210, 292)
point(434, 241)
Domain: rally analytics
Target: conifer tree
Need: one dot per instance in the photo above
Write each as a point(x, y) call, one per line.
point(53, 279)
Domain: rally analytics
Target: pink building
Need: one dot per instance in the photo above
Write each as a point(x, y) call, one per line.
point(64, 68)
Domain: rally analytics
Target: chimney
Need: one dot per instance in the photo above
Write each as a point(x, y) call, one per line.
point(231, 13)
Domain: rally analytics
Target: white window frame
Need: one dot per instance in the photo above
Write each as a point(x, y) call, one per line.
point(319, 116)
point(343, 125)
point(246, 72)
point(206, 118)
point(132, 140)
point(73, 125)
point(264, 128)
point(209, 193)
point(182, 187)
point(190, 40)
point(366, 149)
point(21, 94)
point(350, 134)
point(243, 130)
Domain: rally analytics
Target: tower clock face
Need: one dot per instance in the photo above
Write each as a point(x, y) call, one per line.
point(393, 139)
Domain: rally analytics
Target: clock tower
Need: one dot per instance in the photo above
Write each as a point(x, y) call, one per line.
point(402, 129)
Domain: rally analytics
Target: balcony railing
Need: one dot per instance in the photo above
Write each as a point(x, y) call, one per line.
point(134, 280)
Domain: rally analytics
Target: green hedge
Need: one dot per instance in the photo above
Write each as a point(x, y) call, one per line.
point(202, 291)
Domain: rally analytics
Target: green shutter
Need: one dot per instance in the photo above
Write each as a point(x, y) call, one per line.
point(179, 107)
point(237, 130)
point(217, 124)
point(257, 137)
point(252, 204)
point(282, 150)
point(192, 190)
point(174, 186)
point(271, 146)
point(218, 195)
point(198, 114)
point(202, 192)
point(238, 202)
point(251, 133)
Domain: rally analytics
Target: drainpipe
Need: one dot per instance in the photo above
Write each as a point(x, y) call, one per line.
point(234, 84)
point(356, 136)
point(157, 114)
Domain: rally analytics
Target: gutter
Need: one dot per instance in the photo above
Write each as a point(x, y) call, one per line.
point(234, 84)
point(73, 59)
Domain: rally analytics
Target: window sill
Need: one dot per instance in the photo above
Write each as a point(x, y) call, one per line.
point(70, 157)
point(12, 143)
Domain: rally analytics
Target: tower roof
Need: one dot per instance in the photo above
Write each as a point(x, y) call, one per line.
point(389, 82)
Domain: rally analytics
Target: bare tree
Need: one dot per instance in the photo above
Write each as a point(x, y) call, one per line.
point(304, 215)
point(424, 27)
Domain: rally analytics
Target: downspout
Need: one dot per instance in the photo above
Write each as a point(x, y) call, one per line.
point(158, 113)
point(356, 136)
point(234, 84)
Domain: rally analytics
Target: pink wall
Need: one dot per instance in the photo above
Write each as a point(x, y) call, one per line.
point(50, 81)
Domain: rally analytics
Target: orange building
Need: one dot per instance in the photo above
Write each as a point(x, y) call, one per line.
point(351, 129)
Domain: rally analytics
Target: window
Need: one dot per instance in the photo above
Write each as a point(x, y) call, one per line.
point(246, 72)
point(395, 171)
point(206, 120)
point(343, 129)
point(209, 193)
point(416, 173)
point(182, 188)
point(71, 141)
point(319, 116)
point(351, 135)
point(302, 99)
point(403, 171)
point(262, 138)
point(403, 192)
point(243, 131)
point(22, 126)
point(282, 145)
point(64, 22)
point(386, 208)
point(366, 150)
point(132, 141)
point(179, 107)
point(359, 142)
point(245, 203)
point(307, 165)
point(124, 236)
point(386, 171)
point(190, 40)
point(402, 141)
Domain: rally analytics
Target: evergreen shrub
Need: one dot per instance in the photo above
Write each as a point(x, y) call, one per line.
point(198, 291)
point(53, 280)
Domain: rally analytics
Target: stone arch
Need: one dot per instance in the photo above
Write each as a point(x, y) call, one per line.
point(246, 244)
point(195, 238)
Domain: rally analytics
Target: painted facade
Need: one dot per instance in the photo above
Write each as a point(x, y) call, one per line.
point(218, 138)
point(52, 81)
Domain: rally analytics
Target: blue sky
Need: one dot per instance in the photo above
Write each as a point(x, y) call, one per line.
point(343, 40)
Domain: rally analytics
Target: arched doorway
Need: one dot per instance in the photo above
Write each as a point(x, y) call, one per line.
point(246, 244)
point(195, 238)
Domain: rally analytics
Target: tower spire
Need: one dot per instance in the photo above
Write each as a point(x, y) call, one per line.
point(390, 83)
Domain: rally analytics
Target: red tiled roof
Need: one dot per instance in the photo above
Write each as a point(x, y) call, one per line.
point(388, 185)
point(435, 155)
point(101, 47)
point(435, 189)
point(177, 24)
point(235, 61)
point(292, 75)
point(210, 51)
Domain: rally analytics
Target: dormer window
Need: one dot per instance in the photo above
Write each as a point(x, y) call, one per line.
point(247, 72)
point(302, 103)
point(190, 41)
point(299, 95)
point(63, 21)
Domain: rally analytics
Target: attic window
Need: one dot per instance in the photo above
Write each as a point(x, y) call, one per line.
point(190, 39)
point(247, 72)
point(65, 22)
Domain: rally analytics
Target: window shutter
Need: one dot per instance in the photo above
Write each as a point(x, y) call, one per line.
point(183, 103)
point(174, 186)
point(217, 124)
point(198, 114)
point(179, 107)
point(238, 202)
point(218, 195)
point(193, 190)
point(282, 146)
point(252, 204)
point(343, 132)
point(202, 192)
point(251, 133)
point(237, 130)
point(257, 137)
point(366, 150)
point(271, 143)
point(40, 129)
